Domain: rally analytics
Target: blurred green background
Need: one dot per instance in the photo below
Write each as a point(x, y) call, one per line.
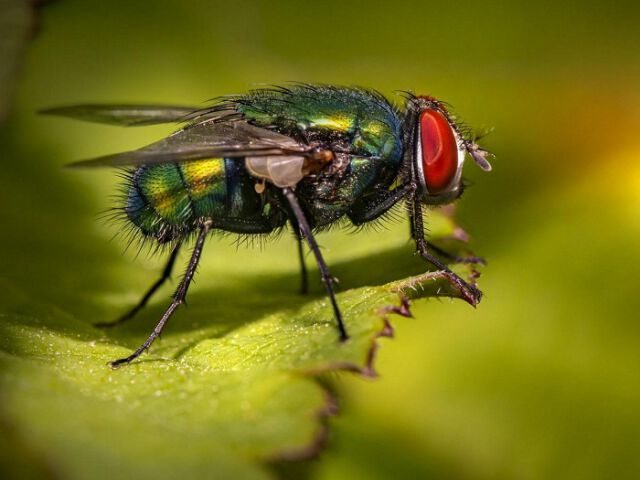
point(543, 379)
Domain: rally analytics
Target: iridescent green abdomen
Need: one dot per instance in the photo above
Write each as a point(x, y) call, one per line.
point(165, 198)
point(168, 201)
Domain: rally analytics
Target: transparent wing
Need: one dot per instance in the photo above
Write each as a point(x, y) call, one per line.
point(134, 115)
point(210, 139)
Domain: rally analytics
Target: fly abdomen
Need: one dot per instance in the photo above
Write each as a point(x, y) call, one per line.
point(206, 186)
point(167, 200)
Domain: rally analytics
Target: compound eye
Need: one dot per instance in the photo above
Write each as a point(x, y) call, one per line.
point(439, 151)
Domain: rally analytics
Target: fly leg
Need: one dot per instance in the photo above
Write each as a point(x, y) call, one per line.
point(305, 232)
point(178, 297)
point(412, 222)
point(443, 253)
point(368, 210)
point(455, 258)
point(166, 274)
point(304, 278)
point(470, 293)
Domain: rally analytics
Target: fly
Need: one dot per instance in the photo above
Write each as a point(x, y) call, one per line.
point(303, 155)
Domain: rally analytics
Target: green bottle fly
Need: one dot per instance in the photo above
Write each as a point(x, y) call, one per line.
point(304, 155)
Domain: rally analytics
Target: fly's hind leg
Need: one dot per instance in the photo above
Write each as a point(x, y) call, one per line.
point(178, 298)
point(166, 274)
point(307, 234)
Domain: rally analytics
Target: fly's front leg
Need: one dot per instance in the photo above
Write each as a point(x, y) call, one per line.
point(368, 209)
point(412, 222)
point(470, 293)
point(443, 253)
point(455, 258)
point(166, 274)
point(178, 297)
point(307, 234)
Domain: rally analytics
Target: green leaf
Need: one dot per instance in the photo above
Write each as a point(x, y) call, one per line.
point(232, 382)
point(201, 399)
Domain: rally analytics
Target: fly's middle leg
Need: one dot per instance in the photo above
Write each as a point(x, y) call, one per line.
point(304, 277)
point(307, 234)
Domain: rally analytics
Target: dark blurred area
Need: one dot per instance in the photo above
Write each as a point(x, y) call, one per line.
point(543, 379)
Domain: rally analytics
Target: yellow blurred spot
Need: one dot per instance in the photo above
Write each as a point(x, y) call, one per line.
point(634, 187)
point(617, 178)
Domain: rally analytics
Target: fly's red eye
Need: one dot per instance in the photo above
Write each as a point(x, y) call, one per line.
point(439, 151)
